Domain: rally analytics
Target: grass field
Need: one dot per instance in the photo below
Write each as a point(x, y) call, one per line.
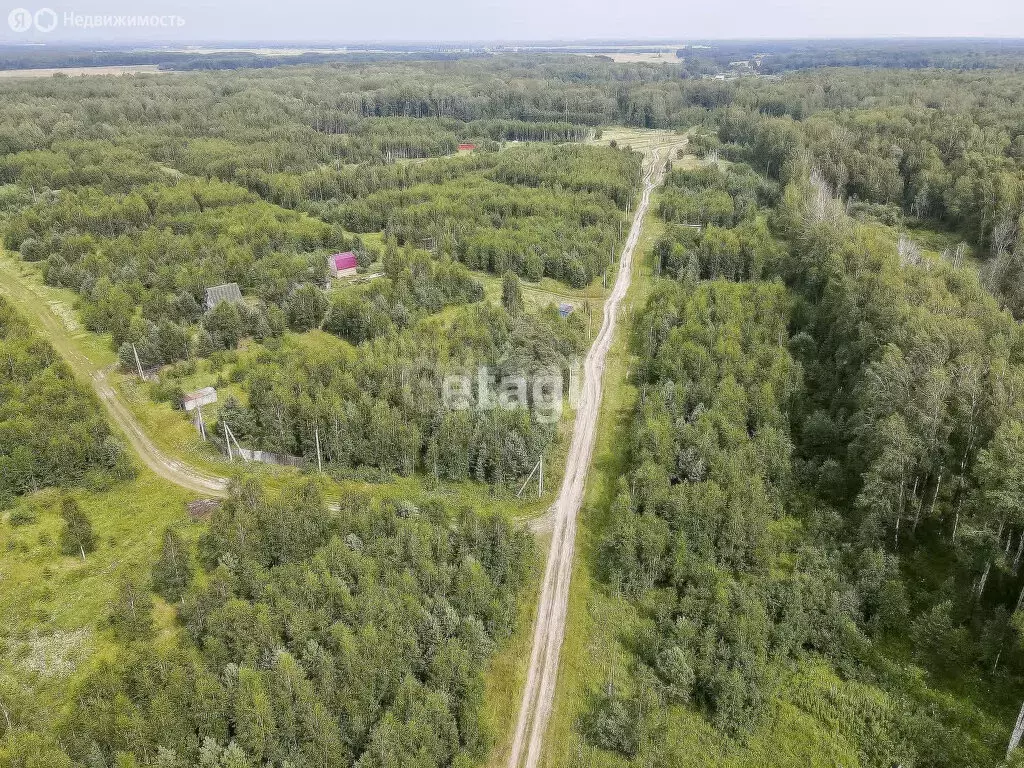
point(52, 311)
point(506, 675)
point(589, 301)
point(637, 138)
point(54, 606)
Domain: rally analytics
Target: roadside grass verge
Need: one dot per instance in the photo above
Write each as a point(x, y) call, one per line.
point(592, 655)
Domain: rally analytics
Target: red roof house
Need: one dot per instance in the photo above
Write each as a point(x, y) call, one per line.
point(467, 147)
point(342, 264)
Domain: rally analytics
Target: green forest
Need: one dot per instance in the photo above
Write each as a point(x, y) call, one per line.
point(140, 219)
point(313, 639)
point(51, 429)
point(823, 466)
point(809, 546)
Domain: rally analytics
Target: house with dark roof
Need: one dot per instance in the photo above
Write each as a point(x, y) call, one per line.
point(218, 293)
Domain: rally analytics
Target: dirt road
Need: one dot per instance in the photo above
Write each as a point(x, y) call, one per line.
point(174, 471)
point(549, 629)
point(34, 305)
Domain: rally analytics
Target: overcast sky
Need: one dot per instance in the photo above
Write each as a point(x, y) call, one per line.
point(429, 20)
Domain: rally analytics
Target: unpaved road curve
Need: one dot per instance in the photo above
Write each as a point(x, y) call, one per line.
point(174, 471)
point(549, 629)
point(45, 321)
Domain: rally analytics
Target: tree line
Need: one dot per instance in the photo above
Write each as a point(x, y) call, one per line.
point(555, 212)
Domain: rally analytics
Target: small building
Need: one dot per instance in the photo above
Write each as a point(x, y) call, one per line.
point(466, 147)
point(199, 398)
point(565, 309)
point(342, 264)
point(227, 292)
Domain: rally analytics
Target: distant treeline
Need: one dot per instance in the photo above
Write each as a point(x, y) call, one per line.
point(17, 57)
point(696, 59)
point(772, 57)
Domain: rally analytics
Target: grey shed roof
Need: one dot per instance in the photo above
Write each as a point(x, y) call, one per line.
point(219, 293)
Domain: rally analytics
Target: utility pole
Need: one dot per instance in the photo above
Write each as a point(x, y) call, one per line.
point(540, 485)
point(138, 363)
point(540, 465)
point(202, 425)
point(319, 456)
point(1018, 731)
point(238, 448)
point(227, 439)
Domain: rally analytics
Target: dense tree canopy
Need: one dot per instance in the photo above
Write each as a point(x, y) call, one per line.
point(52, 429)
point(315, 639)
point(382, 404)
point(821, 466)
point(141, 208)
